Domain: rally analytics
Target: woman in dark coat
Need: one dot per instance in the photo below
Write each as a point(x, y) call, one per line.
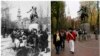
point(57, 42)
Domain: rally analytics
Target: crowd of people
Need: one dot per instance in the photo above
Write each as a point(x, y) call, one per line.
point(70, 35)
point(38, 41)
point(59, 40)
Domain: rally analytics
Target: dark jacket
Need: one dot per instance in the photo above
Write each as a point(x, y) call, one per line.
point(33, 39)
point(13, 36)
point(63, 36)
point(56, 43)
point(44, 39)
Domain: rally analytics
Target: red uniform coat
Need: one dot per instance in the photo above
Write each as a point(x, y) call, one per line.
point(71, 36)
point(74, 35)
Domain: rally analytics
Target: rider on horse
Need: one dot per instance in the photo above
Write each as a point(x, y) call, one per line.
point(33, 14)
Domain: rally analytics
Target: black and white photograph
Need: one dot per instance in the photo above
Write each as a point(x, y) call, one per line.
point(25, 28)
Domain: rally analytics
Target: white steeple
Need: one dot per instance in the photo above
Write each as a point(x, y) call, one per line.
point(19, 14)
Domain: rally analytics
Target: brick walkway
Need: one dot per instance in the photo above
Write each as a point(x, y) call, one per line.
point(83, 48)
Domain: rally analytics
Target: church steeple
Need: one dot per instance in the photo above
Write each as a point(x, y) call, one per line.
point(19, 14)
point(68, 11)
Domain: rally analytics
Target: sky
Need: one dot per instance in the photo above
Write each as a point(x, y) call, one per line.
point(72, 7)
point(43, 7)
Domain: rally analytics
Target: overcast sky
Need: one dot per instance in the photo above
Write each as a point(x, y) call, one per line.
point(72, 7)
point(42, 7)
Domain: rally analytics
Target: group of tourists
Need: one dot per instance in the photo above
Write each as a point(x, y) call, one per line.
point(70, 35)
point(84, 35)
point(59, 38)
point(24, 39)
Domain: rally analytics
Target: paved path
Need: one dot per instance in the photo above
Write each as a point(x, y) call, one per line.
point(83, 48)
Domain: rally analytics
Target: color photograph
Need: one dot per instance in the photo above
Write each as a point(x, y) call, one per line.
point(75, 27)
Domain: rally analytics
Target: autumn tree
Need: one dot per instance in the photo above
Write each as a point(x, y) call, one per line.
point(57, 14)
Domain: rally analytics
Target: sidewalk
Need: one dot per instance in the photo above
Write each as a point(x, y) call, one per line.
point(84, 48)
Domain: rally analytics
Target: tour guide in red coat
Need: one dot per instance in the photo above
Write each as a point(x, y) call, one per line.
point(71, 37)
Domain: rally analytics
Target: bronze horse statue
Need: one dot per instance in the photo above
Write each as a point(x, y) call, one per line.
point(33, 14)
